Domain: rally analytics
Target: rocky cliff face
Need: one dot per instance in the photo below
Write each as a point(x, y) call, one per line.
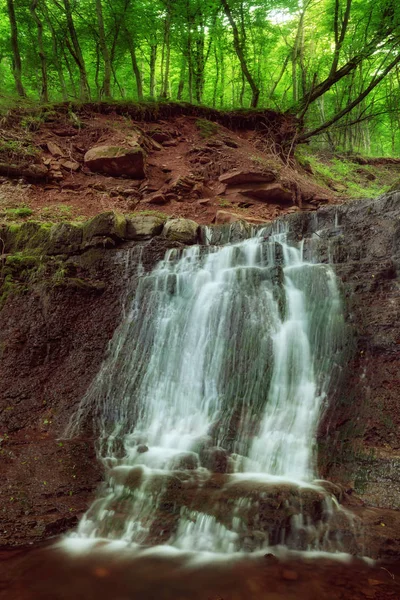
point(359, 436)
point(62, 300)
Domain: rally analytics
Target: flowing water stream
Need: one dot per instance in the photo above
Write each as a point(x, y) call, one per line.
point(208, 403)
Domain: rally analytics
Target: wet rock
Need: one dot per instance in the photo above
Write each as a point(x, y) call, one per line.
point(187, 461)
point(142, 449)
point(144, 227)
point(215, 459)
point(239, 176)
point(181, 230)
point(116, 161)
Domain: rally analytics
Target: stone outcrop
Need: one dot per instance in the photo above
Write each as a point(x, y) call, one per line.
point(181, 230)
point(144, 227)
point(116, 161)
point(239, 176)
point(270, 192)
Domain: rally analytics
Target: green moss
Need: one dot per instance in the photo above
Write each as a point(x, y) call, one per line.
point(21, 261)
point(108, 224)
point(150, 213)
point(206, 128)
point(30, 235)
point(57, 212)
point(20, 212)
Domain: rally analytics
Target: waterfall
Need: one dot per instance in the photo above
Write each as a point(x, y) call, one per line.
point(208, 402)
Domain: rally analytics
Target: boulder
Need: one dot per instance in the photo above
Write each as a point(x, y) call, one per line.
point(108, 225)
point(144, 227)
point(239, 176)
point(215, 459)
point(270, 192)
point(116, 161)
point(181, 230)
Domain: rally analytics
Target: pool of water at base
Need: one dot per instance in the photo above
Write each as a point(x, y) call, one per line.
point(108, 571)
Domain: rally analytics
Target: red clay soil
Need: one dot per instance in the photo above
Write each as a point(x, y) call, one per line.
point(194, 150)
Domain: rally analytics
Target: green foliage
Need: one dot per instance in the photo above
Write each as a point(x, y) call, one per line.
point(16, 150)
point(19, 213)
point(187, 50)
point(57, 212)
point(344, 176)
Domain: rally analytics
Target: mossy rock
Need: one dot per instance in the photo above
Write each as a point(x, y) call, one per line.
point(181, 230)
point(65, 238)
point(26, 236)
point(144, 227)
point(108, 224)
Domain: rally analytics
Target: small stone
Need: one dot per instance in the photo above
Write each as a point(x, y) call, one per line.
point(159, 136)
point(54, 149)
point(142, 448)
point(70, 165)
point(156, 198)
point(170, 143)
point(290, 575)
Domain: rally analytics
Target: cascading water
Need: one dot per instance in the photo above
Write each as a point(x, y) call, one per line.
point(208, 403)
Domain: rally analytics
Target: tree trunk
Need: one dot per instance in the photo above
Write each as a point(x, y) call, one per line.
point(135, 66)
point(181, 85)
point(166, 55)
point(375, 81)
point(153, 59)
point(240, 54)
point(76, 52)
point(106, 89)
point(17, 66)
point(56, 55)
point(44, 93)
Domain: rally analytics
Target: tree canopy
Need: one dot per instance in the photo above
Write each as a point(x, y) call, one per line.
point(334, 63)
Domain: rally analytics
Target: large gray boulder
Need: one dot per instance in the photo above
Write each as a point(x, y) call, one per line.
point(144, 227)
point(181, 230)
point(116, 161)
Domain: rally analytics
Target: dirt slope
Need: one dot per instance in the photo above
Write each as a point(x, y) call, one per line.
point(185, 156)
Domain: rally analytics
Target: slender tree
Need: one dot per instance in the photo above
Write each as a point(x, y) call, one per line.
point(16, 62)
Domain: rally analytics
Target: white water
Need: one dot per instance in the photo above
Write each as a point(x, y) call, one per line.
point(231, 348)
